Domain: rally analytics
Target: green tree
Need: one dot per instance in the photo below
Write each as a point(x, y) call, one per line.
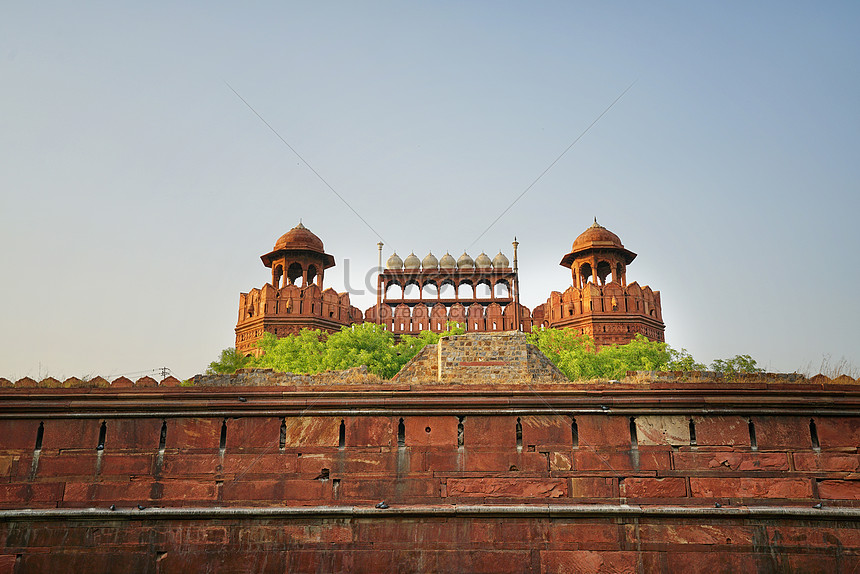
point(229, 362)
point(577, 355)
point(683, 361)
point(736, 364)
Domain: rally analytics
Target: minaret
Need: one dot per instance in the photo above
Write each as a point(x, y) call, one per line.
point(516, 286)
point(379, 285)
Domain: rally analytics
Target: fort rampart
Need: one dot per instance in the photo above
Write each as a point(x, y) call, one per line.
point(266, 471)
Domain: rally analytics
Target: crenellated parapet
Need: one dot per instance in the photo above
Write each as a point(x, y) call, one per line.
point(296, 298)
point(612, 314)
point(600, 303)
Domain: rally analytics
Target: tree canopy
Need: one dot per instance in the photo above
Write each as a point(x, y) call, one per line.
point(313, 351)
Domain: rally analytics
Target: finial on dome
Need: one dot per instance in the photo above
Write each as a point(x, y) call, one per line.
point(300, 226)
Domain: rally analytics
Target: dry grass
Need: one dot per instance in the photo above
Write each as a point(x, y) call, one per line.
point(832, 368)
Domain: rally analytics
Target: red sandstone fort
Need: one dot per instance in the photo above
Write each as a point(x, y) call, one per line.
point(599, 302)
point(478, 456)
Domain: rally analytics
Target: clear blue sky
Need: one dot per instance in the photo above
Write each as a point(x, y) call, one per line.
point(137, 192)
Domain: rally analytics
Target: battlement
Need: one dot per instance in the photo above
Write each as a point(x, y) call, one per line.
point(262, 468)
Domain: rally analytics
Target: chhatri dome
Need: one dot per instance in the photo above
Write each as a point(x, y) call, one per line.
point(430, 261)
point(411, 262)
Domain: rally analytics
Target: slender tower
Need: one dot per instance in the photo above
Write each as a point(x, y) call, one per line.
point(516, 287)
point(379, 285)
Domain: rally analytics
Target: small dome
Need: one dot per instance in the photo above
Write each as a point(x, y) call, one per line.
point(447, 262)
point(394, 262)
point(596, 236)
point(430, 262)
point(500, 261)
point(299, 237)
point(465, 262)
point(412, 262)
point(482, 261)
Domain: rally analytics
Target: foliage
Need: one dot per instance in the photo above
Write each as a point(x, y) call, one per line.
point(369, 344)
point(683, 361)
point(229, 362)
point(577, 357)
point(736, 364)
point(313, 351)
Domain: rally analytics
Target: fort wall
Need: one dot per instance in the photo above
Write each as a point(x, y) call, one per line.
point(653, 473)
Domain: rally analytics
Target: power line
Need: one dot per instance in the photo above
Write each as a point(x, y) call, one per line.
point(298, 155)
point(550, 166)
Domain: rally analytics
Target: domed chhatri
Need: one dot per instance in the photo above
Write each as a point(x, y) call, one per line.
point(447, 262)
point(500, 261)
point(465, 262)
point(394, 262)
point(296, 298)
point(482, 261)
point(430, 261)
point(412, 263)
point(594, 240)
point(596, 236)
point(300, 237)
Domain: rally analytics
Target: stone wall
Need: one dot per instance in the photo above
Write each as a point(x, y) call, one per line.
point(659, 472)
point(480, 358)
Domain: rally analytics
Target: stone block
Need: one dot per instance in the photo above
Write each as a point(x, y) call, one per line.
point(839, 489)
point(103, 494)
point(731, 461)
point(838, 432)
point(139, 434)
point(593, 487)
point(72, 464)
point(347, 462)
point(389, 489)
point(663, 430)
point(614, 462)
point(587, 561)
point(62, 434)
point(599, 533)
point(274, 463)
point(253, 433)
point(597, 431)
point(483, 431)
point(183, 492)
point(127, 464)
point(193, 433)
point(305, 431)
point(706, 562)
point(431, 431)
point(17, 434)
point(179, 464)
point(498, 487)
point(22, 495)
point(827, 461)
point(699, 534)
point(782, 432)
point(276, 492)
point(790, 488)
point(560, 461)
point(544, 431)
point(504, 461)
point(727, 430)
point(370, 431)
point(635, 487)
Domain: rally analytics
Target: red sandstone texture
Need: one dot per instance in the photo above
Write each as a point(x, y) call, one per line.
point(477, 476)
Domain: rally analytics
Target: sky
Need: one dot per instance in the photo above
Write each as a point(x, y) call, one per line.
point(137, 190)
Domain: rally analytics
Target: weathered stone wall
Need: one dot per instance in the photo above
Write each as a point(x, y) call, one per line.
point(655, 473)
point(480, 358)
